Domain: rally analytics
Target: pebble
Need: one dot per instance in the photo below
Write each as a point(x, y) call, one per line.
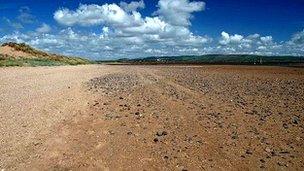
point(268, 150)
point(285, 125)
point(295, 120)
point(248, 152)
point(161, 133)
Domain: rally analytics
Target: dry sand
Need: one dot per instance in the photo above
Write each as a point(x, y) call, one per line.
point(152, 118)
point(6, 50)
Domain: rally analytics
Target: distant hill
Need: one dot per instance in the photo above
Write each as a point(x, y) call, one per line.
point(217, 59)
point(20, 54)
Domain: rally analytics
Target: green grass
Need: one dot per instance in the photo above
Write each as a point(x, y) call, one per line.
point(41, 62)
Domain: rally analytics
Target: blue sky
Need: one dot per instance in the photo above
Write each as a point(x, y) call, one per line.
point(114, 29)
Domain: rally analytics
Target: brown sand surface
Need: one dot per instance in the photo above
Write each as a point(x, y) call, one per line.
point(152, 118)
point(6, 50)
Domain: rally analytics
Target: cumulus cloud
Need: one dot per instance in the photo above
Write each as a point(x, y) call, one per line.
point(105, 46)
point(296, 44)
point(178, 12)
point(227, 39)
point(44, 28)
point(298, 38)
point(126, 33)
point(251, 44)
point(88, 15)
point(266, 39)
point(125, 22)
point(132, 6)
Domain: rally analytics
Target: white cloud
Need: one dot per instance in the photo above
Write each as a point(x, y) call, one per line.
point(298, 38)
point(178, 12)
point(108, 48)
point(266, 39)
point(251, 44)
point(88, 15)
point(126, 23)
point(126, 33)
point(97, 46)
point(44, 28)
point(132, 6)
point(149, 26)
point(227, 39)
point(262, 48)
point(253, 36)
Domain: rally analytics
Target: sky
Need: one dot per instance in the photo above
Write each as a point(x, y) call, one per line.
point(99, 29)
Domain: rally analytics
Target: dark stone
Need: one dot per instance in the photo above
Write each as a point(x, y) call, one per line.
point(285, 125)
point(234, 135)
point(248, 152)
point(295, 120)
point(161, 133)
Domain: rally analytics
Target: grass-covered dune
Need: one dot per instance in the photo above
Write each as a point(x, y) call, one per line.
point(15, 54)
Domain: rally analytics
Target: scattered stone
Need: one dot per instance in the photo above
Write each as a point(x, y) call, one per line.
point(249, 152)
point(36, 143)
point(248, 122)
point(295, 120)
point(268, 150)
point(111, 132)
point(234, 135)
point(285, 125)
point(281, 164)
point(161, 133)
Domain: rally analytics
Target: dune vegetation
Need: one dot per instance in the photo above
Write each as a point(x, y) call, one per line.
point(15, 54)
